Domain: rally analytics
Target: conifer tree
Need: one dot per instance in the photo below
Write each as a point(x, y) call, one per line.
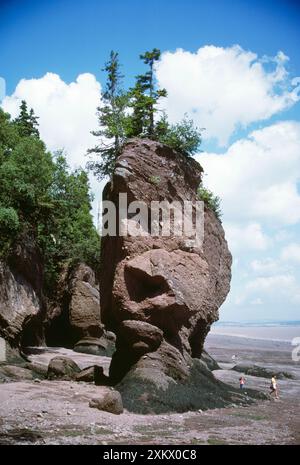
point(112, 121)
point(122, 115)
point(144, 98)
point(27, 122)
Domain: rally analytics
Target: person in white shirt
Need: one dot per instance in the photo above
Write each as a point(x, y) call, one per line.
point(273, 387)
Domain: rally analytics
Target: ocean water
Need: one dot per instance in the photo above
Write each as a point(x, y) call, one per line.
point(268, 330)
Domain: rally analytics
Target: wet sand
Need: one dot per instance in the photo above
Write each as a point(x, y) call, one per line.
point(57, 412)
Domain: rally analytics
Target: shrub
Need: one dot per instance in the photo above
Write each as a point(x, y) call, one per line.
point(183, 136)
point(9, 221)
point(213, 202)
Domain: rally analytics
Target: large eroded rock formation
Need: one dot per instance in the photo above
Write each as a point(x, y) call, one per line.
point(75, 312)
point(73, 315)
point(21, 301)
point(160, 295)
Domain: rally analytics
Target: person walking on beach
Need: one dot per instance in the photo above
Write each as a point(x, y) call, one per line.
point(242, 382)
point(273, 387)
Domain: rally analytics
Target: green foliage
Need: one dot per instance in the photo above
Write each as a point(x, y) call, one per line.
point(144, 98)
point(183, 137)
point(69, 234)
point(8, 135)
point(40, 195)
point(9, 226)
point(135, 113)
point(9, 220)
point(25, 176)
point(26, 123)
point(112, 121)
point(154, 180)
point(213, 202)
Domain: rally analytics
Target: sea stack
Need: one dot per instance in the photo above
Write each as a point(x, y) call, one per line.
point(161, 294)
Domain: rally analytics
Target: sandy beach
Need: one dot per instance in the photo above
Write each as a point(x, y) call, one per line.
point(57, 412)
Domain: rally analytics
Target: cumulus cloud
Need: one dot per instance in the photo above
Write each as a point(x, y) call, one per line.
point(282, 286)
point(67, 114)
point(257, 177)
point(224, 89)
point(242, 237)
point(265, 266)
point(291, 253)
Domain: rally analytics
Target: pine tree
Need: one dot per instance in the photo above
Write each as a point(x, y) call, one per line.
point(27, 122)
point(144, 98)
point(122, 115)
point(112, 120)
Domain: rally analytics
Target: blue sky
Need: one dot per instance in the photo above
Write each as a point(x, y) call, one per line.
point(69, 37)
point(235, 74)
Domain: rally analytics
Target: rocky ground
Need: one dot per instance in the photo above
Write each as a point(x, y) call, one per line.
point(58, 412)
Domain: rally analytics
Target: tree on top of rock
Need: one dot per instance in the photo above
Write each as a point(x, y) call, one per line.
point(144, 120)
point(27, 123)
point(144, 98)
point(122, 115)
point(112, 120)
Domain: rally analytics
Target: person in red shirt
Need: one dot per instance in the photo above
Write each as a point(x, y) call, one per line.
point(242, 382)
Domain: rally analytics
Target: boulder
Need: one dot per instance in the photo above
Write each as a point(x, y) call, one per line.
point(173, 283)
point(104, 346)
point(21, 300)
point(14, 373)
point(87, 375)
point(135, 338)
point(84, 307)
point(108, 400)
point(256, 370)
point(74, 313)
point(93, 374)
point(39, 370)
point(62, 368)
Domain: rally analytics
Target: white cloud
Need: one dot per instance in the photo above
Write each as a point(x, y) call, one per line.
point(257, 301)
point(282, 286)
point(223, 89)
point(244, 237)
point(291, 253)
point(257, 177)
point(67, 115)
point(67, 112)
point(265, 266)
point(283, 235)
